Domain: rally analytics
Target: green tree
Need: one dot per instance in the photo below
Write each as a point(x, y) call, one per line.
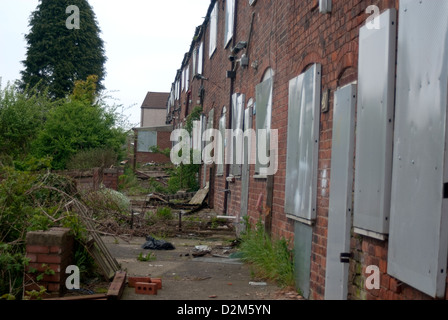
point(58, 56)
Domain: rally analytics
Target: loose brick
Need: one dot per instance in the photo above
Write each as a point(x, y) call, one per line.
point(146, 288)
point(158, 282)
point(133, 280)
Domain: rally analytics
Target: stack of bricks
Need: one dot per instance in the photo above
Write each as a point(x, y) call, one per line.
point(145, 285)
point(49, 253)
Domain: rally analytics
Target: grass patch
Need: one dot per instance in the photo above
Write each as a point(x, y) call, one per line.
point(270, 259)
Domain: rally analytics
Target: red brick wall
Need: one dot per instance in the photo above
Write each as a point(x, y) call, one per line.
point(289, 36)
point(52, 249)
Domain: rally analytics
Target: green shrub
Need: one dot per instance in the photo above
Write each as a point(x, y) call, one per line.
point(75, 126)
point(22, 117)
point(164, 213)
point(272, 260)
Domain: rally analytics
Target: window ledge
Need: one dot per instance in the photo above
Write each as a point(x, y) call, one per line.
point(301, 220)
point(370, 234)
point(260, 177)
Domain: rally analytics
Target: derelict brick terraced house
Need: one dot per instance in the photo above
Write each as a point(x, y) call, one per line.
point(357, 91)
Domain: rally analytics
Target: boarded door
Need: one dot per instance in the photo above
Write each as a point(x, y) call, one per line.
point(419, 221)
point(340, 211)
point(245, 176)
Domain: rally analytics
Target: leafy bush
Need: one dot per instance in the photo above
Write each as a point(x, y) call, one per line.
point(271, 260)
point(22, 117)
point(76, 126)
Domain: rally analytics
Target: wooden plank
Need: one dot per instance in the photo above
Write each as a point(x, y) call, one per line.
point(98, 249)
point(116, 288)
point(199, 197)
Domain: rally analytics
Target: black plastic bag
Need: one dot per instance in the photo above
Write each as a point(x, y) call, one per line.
point(153, 244)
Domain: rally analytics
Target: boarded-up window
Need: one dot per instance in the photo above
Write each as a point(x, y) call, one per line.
point(213, 30)
point(303, 145)
point(237, 140)
point(263, 121)
point(146, 140)
point(418, 237)
point(200, 56)
point(377, 49)
point(230, 20)
point(219, 158)
point(187, 78)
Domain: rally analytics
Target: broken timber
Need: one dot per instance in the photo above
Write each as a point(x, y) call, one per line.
point(116, 288)
point(97, 249)
point(200, 196)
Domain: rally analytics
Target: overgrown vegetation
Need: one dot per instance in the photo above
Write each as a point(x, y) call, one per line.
point(39, 134)
point(30, 202)
point(71, 132)
point(270, 259)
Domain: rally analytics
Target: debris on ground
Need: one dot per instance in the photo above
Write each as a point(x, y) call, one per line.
point(154, 244)
point(200, 251)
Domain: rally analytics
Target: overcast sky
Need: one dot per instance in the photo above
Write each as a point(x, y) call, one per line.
point(145, 42)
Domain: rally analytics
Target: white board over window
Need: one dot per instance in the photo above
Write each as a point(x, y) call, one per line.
point(303, 145)
point(418, 241)
point(374, 137)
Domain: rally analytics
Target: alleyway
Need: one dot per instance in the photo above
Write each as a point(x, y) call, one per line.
point(213, 276)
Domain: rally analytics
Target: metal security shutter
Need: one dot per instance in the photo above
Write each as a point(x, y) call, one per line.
point(303, 145)
point(219, 158)
point(263, 119)
point(230, 21)
point(213, 30)
point(340, 211)
point(245, 174)
point(418, 242)
point(237, 127)
point(374, 137)
point(146, 140)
